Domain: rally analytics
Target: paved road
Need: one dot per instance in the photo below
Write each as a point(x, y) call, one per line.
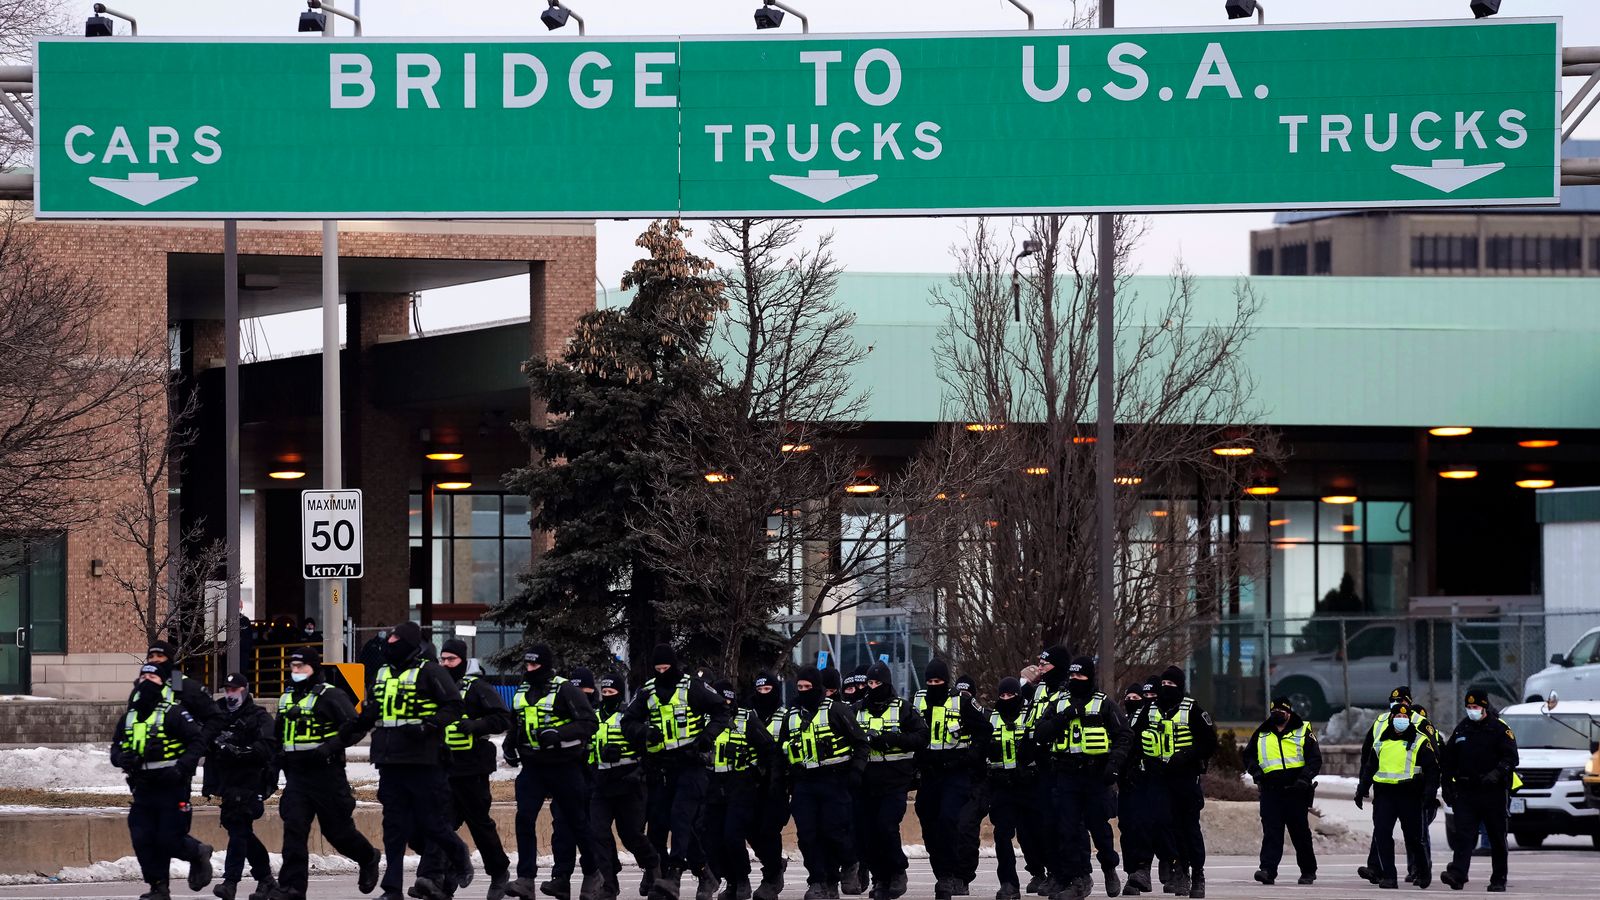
point(1566, 874)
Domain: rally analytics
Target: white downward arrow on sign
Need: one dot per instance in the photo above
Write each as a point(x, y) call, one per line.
point(823, 185)
point(1448, 174)
point(143, 188)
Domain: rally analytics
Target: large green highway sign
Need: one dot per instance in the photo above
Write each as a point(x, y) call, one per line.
point(1349, 115)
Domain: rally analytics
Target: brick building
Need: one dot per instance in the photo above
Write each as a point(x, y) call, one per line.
point(404, 396)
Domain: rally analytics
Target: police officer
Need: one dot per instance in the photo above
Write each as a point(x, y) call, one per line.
point(563, 842)
point(675, 717)
point(1176, 740)
point(472, 759)
point(1283, 758)
point(157, 744)
point(1158, 812)
point(855, 686)
point(1372, 871)
point(895, 732)
point(618, 796)
point(410, 702)
point(550, 739)
point(1478, 763)
point(241, 770)
point(819, 739)
point(1046, 676)
point(1142, 821)
point(767, 841)
point(1089, 742)
point(1403, 776)
point(188, 692)
point(970, 825)
point(946, 766)
point(1015, 799)
point(738, 756)
point(311, 714)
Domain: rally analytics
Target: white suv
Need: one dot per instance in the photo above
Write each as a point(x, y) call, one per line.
point(1553, 747)
point(1574, 675)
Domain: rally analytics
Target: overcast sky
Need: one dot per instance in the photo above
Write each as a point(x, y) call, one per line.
point(1210, 244)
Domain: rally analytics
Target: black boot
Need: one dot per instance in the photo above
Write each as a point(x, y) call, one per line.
point(593, 887)
point(897, 886)
point(1141, 880)
point(560, 890)
point(497, 885)
point(158, 891)
point(648, 882)
point(1265, 877)
point(524, 888)
point(669, 885)
point(1180, 883)
point(225, 890)
point(200, 868)
point(368, 879)
point(1308, 878)
point(427, 889)
point(816, 890)
point(1197, 887)
point(851, 882)
point(1450, 877)
point(1497, 887)
point(1423, 879)
point(265, 886)
point(1369, 874)
point(1113, 882)
point(706, 886)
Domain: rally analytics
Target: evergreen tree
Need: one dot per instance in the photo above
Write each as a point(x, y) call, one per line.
point(595, 460)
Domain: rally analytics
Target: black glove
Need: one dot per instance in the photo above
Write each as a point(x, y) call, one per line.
point(1450, 792)
point(657, 736)
point(549, 739)
point(1493, 777)
point(1431, 803)
point(1109, 777)
point(186, 766)
point(1361, 799)
point(994, 753)
point(1304, 786)
point(610, 753)
point(510, 753)
point(879, 742)
point(468, 726)
point(702, 744)
point(328, 750)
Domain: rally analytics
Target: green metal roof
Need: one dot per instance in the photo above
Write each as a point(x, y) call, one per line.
point(1568, 505)
point(1487, 352)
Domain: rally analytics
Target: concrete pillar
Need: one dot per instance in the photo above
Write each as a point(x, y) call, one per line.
point(381, 455)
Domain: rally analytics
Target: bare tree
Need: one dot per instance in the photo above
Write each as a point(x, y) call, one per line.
point(1018, 358)
point(176, 590)
point(65, 391)
point(782, 515)
point(20, 22)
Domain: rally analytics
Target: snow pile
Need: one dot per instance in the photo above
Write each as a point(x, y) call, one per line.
point(82, 768)
point(127, 869)
point(1348, 726)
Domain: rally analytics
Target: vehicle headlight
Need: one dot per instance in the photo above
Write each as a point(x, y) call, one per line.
point(1574, 773)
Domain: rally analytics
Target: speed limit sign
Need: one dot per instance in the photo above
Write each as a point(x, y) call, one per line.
point(330, 533)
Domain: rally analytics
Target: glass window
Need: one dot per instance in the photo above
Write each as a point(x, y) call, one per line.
point(442, 587)
point(1293, 568)
point(1323, 258)
point(1264, 261)
point(1388, 570)
point(518, 557)
point(414, 516)
point(1339, 523)
point(1586, 651)
point(515, 516)
point(475, 568)
point(1340, 580)
point(1388, 521)
point(1293, 257)
point(47, 594)
point(484, 518)
point(1292, 521)
point(442, 504)
point(1371, 641)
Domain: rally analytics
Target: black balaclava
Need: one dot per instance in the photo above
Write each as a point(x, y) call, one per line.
point(539, 653)
point(1282, 711)
point(1009, 709)
point(937, 694)
point(459, 648)
point(1076, 689)
point(809, 700)
point(146, 694)
point(879, 696)
point(1136, 691)
point(583, 678)
point(1057, 656)
point(666, 682)
point(855, 684)
point(406, 644)
point(1150, 685)
point(965, 685)
point(611, 704)
point(766, 704)
point(832, 681)
point(724, 687)
point(1169, 697)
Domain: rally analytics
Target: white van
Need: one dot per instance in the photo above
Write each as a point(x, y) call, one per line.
point(1554, 744)
point(1574, 675)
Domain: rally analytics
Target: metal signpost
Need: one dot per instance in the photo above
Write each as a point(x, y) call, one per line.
point(1268, 117)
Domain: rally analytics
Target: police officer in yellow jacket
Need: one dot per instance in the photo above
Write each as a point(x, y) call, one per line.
point(410, 702)
point(766, 701)
point(157, 744)
point(947, 767)
point(552, 725)
point(739, 756)
point(1282, 758)
point(1419, 723)
point(819, 740)
point(619, 793)
point(1088, 741)
point(675, 717)
point(895, 732)
point(1402, 774)
point(472, 759)
point(1018, 798)
point(1176, 742)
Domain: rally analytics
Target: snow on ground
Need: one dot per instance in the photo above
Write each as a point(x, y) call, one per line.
point(79, 768)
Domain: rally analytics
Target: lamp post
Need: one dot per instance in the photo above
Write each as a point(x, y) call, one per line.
point(1243, 9)
point(1105, 423)
point(333, 615)
point(770, 15)
point(1025, 11)
point(557, 15)
point(99, 24)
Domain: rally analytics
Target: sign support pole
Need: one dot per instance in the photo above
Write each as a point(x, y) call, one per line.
point(334, 600)
point(1105, 426)
point(230, 390)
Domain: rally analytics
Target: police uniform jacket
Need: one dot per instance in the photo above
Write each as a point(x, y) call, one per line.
point(841, 721)
point(702, 700)
point(885, 775)
point(1427, 778)
point(176, 726)
point(1057, 718)
point(330, 710)
point(1285, 776)
point(1190, 761)
point(197, 701)
point(242, 754)
point(419, 744)
point(571, 709)
point(974, 723)
point(762, 747)
point(484, 714)
point(1480, 754)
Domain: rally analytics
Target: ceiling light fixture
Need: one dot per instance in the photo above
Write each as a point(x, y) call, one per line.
point(862, 488)
point(1450, 431)
point(1539, 443)
point(286, 475)
point(445, 456)
point(796, 448)
point(1340, 499)
point(1233, 450)
point(453, 485)
point(717, 477)
point(1458, 473)
point(1535, 484)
